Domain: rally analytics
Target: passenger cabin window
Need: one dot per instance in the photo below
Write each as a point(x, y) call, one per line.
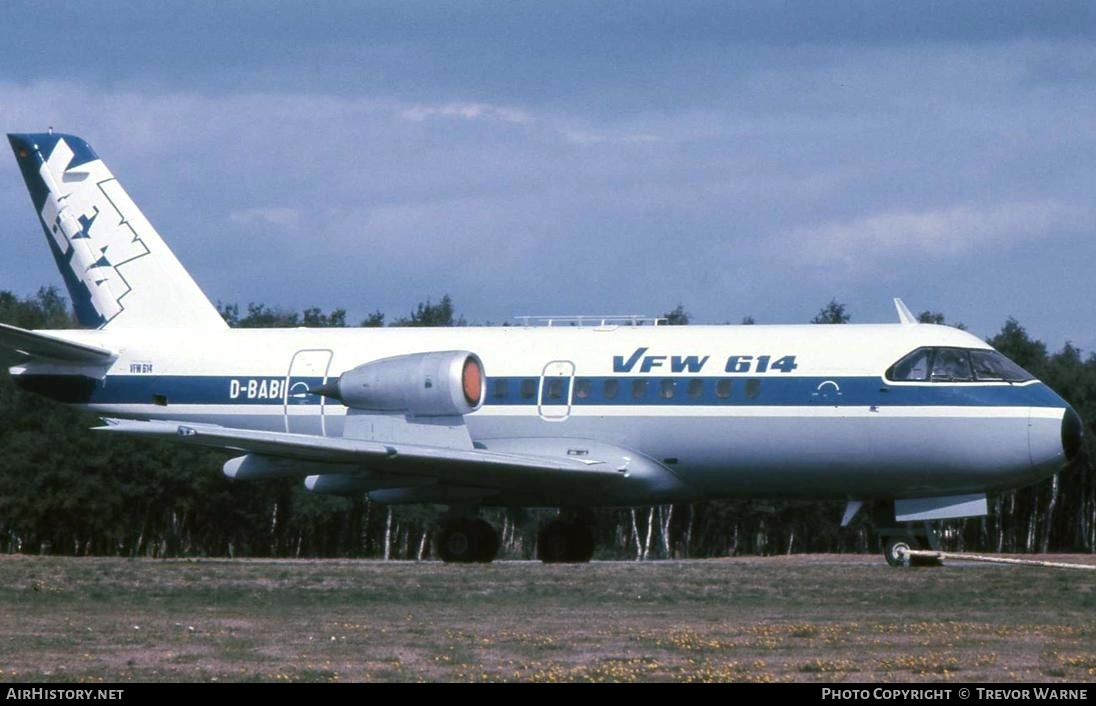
point(528, 389)
point(582, 388)
point(723, 389)
point(611, 389)
point(753, 388)
point(666, 389)
point(639, 389)
point(555, 389)
point(956, 365)
point(696, 388)
point(501, 388)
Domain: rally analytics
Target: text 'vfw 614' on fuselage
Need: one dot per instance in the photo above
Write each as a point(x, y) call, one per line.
point(921, 420)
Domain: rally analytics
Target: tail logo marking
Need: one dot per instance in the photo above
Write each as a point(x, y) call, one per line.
point(89, 230)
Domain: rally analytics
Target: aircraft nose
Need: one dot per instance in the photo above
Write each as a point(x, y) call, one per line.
point(1072, 434)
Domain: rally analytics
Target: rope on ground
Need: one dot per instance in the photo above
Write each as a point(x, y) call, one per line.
point(997, 559)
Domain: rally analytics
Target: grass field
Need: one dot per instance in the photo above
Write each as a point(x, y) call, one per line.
point(800, 618)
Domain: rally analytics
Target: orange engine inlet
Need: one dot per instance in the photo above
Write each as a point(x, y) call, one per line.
point(472, 381)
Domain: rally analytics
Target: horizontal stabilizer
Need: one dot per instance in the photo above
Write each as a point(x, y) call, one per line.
point(457, 466)
point(33, 344)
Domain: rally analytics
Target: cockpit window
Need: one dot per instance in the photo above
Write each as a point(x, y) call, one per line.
point(991, 365)
point(956, 365)
point(914, 366)
point(951, 365)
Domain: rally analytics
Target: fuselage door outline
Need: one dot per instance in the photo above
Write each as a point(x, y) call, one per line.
point(304, 412)
point(554, 393)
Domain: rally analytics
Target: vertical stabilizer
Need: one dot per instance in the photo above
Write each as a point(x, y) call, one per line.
point(118, 270)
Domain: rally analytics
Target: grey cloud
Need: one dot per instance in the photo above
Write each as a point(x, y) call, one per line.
point(627, 166)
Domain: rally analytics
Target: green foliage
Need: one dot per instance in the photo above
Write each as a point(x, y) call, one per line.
point(46, 309)
point(374, 320)
point(832, 313)
point(935, 317)
point(677, 317)
point(259, 316)
point(1013, 341)
point(429, 314)
point(314, 318)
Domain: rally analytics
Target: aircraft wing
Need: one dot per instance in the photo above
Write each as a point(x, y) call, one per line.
point(550, 462)
point(19, 344)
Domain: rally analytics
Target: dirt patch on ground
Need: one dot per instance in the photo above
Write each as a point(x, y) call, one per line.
point(788, 618)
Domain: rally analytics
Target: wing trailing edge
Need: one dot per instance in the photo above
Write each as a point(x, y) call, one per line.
point(551, 462)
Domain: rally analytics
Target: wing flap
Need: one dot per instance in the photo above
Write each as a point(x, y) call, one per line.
point(473, 466)
point(34, 344)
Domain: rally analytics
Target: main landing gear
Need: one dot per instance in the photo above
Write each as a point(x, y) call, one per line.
point(466, 540)
point(566, 541)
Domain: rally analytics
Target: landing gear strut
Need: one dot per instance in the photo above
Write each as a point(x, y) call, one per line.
point(567, 541)
point(465, 540)
point(898, 538)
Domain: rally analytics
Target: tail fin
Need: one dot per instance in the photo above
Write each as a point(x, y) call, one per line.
point(118, 270)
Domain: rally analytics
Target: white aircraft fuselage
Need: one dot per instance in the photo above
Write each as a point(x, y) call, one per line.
point(832, 427)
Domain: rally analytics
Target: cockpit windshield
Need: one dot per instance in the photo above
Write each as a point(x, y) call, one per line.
point(991, 365)
point(956, 365)
point(951, 365)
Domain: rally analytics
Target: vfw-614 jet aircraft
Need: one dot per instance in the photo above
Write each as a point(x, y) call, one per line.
point(923, 420)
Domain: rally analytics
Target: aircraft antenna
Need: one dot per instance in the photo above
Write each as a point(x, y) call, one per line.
point(600, 320)
point(905, 316)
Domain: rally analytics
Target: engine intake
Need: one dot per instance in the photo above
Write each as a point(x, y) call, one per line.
point(438, 384)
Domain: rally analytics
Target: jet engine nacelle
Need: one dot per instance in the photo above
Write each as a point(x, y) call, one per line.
point(438, 384)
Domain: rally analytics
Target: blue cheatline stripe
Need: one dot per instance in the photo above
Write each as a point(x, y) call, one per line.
point(517, 391)
point(176, 389)
point(770, 391)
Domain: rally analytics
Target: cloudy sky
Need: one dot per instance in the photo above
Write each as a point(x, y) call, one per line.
point(586, 157)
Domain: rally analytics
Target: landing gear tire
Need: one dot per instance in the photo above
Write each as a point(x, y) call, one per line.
point(487, 542)
point(466, 540)
point(562, 542)
point(895, 548)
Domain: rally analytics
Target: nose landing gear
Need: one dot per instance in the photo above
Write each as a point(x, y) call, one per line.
point(898, 541)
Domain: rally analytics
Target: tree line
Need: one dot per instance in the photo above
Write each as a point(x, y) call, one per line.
point(67, 490)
